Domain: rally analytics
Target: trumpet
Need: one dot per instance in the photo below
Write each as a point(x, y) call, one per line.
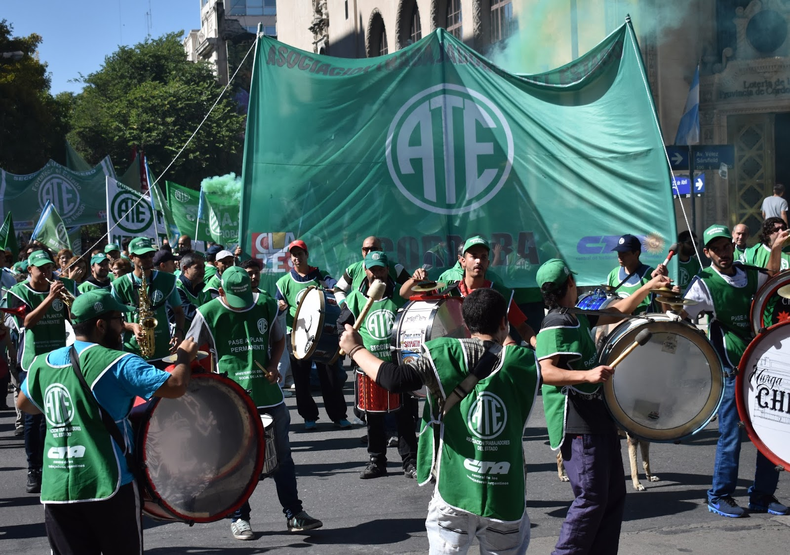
point(66, 296)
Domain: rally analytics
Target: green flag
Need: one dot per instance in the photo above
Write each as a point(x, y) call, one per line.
point(184, 207)
point(51, 230)
point(8, 236)
point(432, 144)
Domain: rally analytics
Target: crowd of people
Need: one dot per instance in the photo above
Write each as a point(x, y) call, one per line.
point(214, 300)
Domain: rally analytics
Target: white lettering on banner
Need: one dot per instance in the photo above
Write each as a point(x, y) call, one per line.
point(58, 405)
point(379, 324)
point(487, 416)
point(487, 467)
point(413, 136)
point(73, 452)
point(62, 193)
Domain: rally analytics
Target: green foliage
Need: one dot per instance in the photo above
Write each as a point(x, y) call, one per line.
point(32, 122)
point(151, 97)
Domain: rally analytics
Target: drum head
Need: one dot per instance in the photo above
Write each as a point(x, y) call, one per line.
point(202, 453)
point(768, 306)
point(668, 389)
point(422, 320)
point(763, 393)
point(308, 323)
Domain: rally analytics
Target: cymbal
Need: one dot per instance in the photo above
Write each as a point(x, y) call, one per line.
point(172, 358)
point(425, 286)
point(784, 291)
point(676, 301)
point(663, 291)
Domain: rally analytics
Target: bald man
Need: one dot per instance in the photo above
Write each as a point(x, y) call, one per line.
point(740, 234)
point(354, 276)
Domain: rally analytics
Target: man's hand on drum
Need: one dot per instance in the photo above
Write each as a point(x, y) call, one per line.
point(599, 374)
point(189, 348)
point(350, 339)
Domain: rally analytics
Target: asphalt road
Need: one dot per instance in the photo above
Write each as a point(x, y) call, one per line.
point(386, 515)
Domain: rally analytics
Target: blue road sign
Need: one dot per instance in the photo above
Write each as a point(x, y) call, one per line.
point(699, 184)
point(682, 185)
point(711, 157)
point(678, 157)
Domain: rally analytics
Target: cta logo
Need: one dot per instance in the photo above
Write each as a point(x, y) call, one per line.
point(62, 193)
point(74, 452)
point(449, 149)
point(130, 215)
point(379, 324)
point(487, 416)
point(487, 467)
point(58, 406)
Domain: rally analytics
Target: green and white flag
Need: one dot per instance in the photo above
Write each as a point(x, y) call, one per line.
point(51, 230)
point(432, 144)
point(129, 214)
point(184, 207)
point(8, 236)
point(223, 220)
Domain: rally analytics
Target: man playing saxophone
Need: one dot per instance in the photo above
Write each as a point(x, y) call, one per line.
point(152, 293)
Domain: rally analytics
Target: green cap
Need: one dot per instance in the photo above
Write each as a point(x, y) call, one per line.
point(375, 258)
point(98, 259)
point(476, 240)
point(111, 247)
point(39, 258)
point(714, 232)
point(21, 267)
point(237, 287)
point(141, 245)
point(95, 303)
point(553, 271)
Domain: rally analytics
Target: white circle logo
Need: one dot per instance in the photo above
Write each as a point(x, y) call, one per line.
point(487, 416)
point(621, 241)
point(58, 406)
point(57, 305)
point(98, 307)
point(379, 324)
point(157, 296)
point(429, 131)
point(263, 326)
point(62, 193)
point(181, 196)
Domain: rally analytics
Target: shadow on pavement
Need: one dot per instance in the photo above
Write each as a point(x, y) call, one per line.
point(22, 531)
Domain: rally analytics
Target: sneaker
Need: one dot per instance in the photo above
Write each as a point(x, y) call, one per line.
point(726, 506)
point(310, 426)
point(364, 439)
point(768, 504)
point(373, 470)
point(33, 482)
point(303, 522)
point(392, 442)
point(287, 393)
point(410, 471)
point(343, 424)
point(19, 432)
point(241, 530)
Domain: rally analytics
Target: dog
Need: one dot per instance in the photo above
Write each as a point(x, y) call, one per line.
point(633, 442)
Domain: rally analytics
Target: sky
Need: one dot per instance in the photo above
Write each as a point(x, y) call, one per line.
point(79, 35)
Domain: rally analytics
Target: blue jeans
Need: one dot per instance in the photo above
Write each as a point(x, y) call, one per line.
point(728, 452)
point(285, 477)
point(35, 432)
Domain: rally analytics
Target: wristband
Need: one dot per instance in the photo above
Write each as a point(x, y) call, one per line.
point(354, 350)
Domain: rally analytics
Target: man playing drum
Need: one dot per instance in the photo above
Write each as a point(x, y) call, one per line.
point(576, 417)
point(725, 289)
point(631, 273)
point(375, 332)
point(354, 276)
point(290, 289)
point(94, 506)
point(241, 328)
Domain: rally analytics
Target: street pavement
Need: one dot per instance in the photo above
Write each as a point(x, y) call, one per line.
point(386, 515)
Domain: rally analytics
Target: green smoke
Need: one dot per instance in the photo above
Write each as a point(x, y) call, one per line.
point(226, 185)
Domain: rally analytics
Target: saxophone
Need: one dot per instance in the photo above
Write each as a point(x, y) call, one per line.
point(146, 320)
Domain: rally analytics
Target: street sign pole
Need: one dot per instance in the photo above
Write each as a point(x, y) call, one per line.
point(693, 200)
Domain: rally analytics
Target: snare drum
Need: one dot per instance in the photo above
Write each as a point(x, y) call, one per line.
point(762, 393)
point(597, 299)
point(668, 389)
point(314, 334)
point(270, 464)
point(199, 455)
point(371, 397)
point(768, 307)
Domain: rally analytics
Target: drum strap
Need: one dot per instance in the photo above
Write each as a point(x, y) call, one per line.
point(109, 423)
point(482, 370)
point(620, 315)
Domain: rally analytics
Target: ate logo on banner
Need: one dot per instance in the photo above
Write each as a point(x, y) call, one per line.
point(379, 324)
point(58, 406)
point(62, 193)
point(449, 149)
point(130, 215)
point(487, 416)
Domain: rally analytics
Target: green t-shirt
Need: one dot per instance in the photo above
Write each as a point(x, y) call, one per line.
point(376, 328)
point(759, 254)
point(686, 271)
point(292, 291)
point(86, 286)
point(634, 283)
point(49, 333)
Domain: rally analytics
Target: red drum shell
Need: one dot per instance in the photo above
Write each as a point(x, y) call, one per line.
point(371, 397)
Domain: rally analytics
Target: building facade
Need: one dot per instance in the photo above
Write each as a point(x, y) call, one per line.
point(741, 46)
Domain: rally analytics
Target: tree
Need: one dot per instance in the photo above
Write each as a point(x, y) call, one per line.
point(32, 122)
point(151, 97)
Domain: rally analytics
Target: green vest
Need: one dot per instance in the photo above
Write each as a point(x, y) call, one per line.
point(643, 275)
point(357, 273)
point(212, 283)
point(686, 272)
point(80, 463)
point(478, 460)
point(241, 338)
point(376, 328)
point(50, 331)
point(197, 301)
point(759, 254)
point(573, 341)
point(292, 292)
point(160, 287)
point(732, 308)
point(86, 286)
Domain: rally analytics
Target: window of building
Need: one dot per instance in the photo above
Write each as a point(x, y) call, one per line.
point(269, 7)
point(415, 29)
point(237, 7)
point(270, 31)
point(453, 20)
point(376, 44)
point(346, 4)
point(383, 48)
point(502, 21)
point(252, 7)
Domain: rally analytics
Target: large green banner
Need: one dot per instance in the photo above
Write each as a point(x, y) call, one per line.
point(79, 197)
point(433, 143)
point(220, 220)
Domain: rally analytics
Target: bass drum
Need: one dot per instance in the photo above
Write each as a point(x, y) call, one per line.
point(314, 334)
point(200, 456)
point(762, 393)
point(668, 389)
point(768, 307)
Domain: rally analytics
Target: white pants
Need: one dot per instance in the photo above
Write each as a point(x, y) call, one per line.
point(451, 531)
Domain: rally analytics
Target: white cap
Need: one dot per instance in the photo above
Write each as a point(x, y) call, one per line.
point(224, 254)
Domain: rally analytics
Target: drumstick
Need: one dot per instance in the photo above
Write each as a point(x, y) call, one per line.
point(641, 338)
point(375, 293)
point(265, 372)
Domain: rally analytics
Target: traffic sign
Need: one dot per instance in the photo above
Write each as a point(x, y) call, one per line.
point(711, 157)
point(682, 185)
point(699, 184)
point(678, 157)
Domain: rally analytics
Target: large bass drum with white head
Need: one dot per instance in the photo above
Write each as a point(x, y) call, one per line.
point(668, 389)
